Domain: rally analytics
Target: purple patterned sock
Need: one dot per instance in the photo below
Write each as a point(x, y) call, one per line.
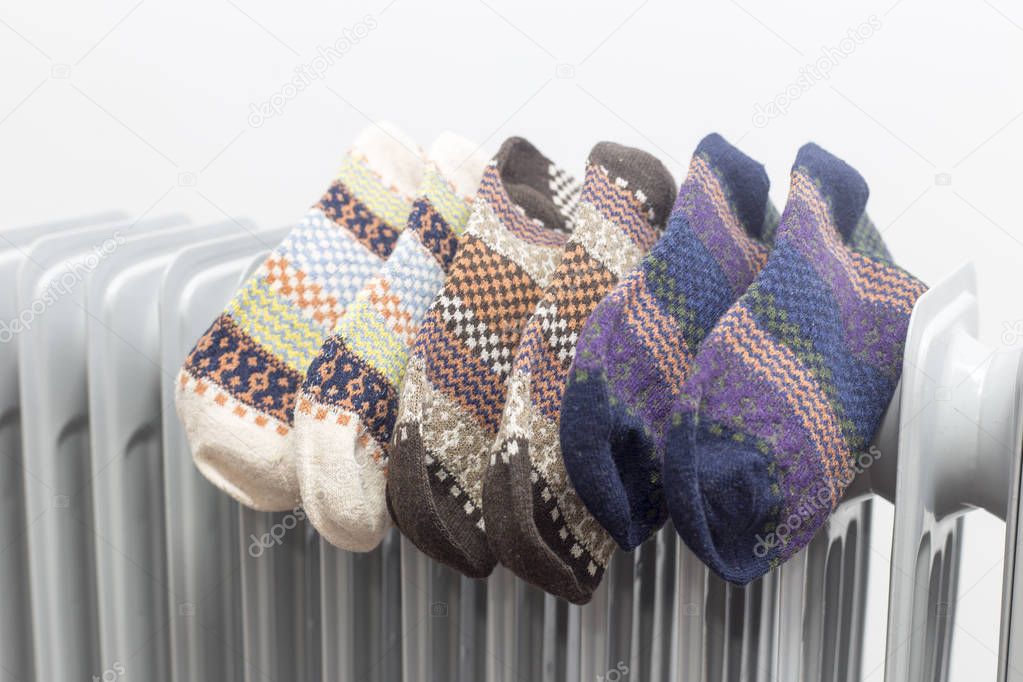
point(790, 386)
point(637, 347)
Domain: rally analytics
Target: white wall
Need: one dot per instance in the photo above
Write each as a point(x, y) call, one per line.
point(123, 104)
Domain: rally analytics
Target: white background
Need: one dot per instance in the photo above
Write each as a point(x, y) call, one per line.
point(145, 107)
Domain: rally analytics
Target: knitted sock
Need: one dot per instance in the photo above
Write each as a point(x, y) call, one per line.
point(454, 388)
point(536, 524)
point(236, 390)
point(635, 351)
point(790, 386)
point(347, 406)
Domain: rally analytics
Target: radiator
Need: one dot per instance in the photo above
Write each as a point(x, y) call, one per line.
point(121, 563)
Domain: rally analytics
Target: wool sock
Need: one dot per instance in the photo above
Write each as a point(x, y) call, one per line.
point(790, 386)
point(635, 351)
point(536, 524)
point(236, 391)
point(347, 405)
point(454, 389)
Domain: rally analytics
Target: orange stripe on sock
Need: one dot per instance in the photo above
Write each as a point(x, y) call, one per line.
point(754, 252)
point(888, 285)
point(871, 280)
point(648, 322)
point(780, 367)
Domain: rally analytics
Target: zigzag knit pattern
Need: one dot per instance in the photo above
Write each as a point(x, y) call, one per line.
point(236, 391)
point(536, 524)
point(636, 349)
point(349, 400)
point(454, 389)
point(790, 386)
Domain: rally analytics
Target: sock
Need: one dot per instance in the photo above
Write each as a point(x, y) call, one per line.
point(454, 389)
point(635, 351)
point(347, 405)
point(536, 524)
point(789, 387)
point(236, 391)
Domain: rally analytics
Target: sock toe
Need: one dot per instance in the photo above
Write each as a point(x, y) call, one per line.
point(417, 510)
point(637, 464)
point(251, 463)
point(342, 484)
point(264, 484)
point(720, 494)
point(357, 527)
point(508, 512)
point(599, 444)
point(585, 434)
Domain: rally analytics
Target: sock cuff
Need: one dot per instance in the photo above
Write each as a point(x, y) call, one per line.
point(393, 155)
point(645, 177)
point(844, 188)
point(458, 160)
point(542, 189)
point(745, 179)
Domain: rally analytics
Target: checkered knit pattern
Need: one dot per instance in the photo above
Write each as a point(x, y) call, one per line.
point(565, 191)
point(454, 389)
point(635, 352)
point(789, 388)
point(536, 524)
point(349, 401)
point(236, 391)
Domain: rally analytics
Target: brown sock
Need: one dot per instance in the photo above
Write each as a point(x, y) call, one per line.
point(454, 388)
point(537, 525)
